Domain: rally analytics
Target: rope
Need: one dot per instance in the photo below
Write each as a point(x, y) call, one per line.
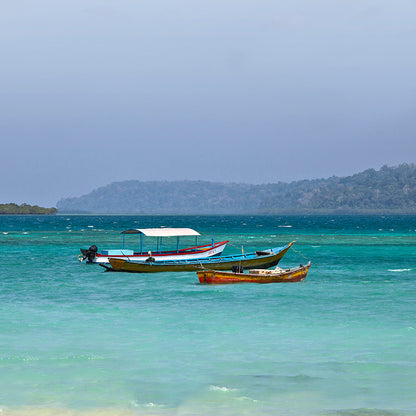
point(316, 268)
point(233, 245)
point(300, 254)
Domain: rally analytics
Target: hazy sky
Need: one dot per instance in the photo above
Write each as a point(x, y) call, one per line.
point(97, 91)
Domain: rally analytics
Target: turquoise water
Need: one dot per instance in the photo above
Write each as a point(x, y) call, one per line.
point(75, 340)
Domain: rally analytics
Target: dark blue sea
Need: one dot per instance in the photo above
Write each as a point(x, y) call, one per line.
point(78, 341)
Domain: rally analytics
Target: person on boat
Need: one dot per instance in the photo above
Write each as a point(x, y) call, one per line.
point(150, 259)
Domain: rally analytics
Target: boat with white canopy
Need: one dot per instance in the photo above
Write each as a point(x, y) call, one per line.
point(91, 255)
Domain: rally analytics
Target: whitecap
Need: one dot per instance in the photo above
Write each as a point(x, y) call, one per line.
point(218, 388)
point(148, 405)
point(247, 398)
point(5, 233)
point(285, 226)
point(90, 226)
point(399, 270)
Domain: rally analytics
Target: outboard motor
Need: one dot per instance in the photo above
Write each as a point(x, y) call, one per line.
point(90, 253)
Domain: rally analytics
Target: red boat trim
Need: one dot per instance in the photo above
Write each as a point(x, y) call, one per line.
point(189, 250)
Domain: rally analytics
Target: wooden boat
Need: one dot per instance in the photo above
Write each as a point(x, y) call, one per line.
point(258, 259)
point(91, 255)
point(276, 275)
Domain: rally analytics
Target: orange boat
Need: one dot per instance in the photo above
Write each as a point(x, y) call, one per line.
point(277, 275)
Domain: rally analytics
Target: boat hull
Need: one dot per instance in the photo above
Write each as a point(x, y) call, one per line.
point(296, 274)
point(261, 260)
point(183, 254)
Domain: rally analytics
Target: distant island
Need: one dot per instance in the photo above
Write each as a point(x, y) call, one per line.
point(25, 209)
point(388, 190)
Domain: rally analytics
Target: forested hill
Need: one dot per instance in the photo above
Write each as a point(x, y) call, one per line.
point(25, 209)
point(390, 189)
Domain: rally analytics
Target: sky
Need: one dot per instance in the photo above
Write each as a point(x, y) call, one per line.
point(98, 91)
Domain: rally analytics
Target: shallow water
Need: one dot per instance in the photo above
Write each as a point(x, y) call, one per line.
point(75, 340)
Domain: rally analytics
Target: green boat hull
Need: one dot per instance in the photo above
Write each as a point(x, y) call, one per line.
point(259, 260)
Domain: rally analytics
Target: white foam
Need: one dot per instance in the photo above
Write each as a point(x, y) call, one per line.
point(285, 226)
point(218, 388)
point(147, 405)
point(248, 399)
point(399, 270)
point(43, 411)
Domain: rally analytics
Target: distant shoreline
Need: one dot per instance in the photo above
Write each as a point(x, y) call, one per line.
point(25, 209)
point(240, 214)
point(387, 191)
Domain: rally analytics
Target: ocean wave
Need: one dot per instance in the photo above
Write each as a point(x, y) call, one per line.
point(399, 270)
point(44, 411)
point(70, 358)
point(223, 389)
point(364, 412)
point(80, 357)
point(149, 405)
point(249, 399)
point(18, 358)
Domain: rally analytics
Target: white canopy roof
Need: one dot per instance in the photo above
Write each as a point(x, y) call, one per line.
point(162, 232)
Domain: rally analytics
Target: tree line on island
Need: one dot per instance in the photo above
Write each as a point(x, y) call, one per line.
point(388, 190)
point(25, 209)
